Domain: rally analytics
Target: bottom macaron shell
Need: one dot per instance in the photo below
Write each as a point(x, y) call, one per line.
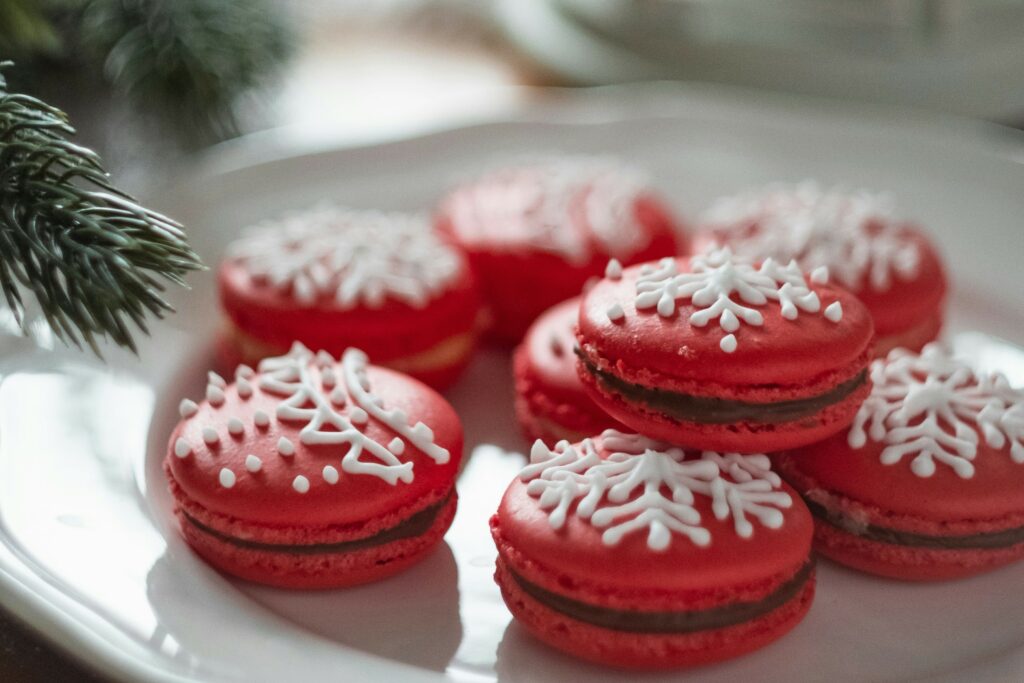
point(312, 571)
point(649, 651)
point(736, 437)
point(913, 338)
point(909, 564)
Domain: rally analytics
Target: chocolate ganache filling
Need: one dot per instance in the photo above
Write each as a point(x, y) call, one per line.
point(669, 622)
point(989, 540)
point(710, 410)
point(416, 525)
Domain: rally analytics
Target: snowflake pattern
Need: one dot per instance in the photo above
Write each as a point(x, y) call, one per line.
point(935, 409)
point(353, 257)
point(854, 234)
point(319, 403)
point(725, 288)
point(542, 196)
point(643, 485)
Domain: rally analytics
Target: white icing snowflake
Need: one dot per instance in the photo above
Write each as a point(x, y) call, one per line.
point(934, 409)
point(725, 288)
point(310, 385)
point(542, 197)
point(354, 257)
point(852, 233)
point(647, 486)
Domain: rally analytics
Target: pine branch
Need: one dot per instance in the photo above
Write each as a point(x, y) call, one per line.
point(95, 260)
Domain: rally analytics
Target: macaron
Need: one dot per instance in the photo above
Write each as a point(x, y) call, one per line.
point(314, 473)
point(928, 483)
point(715, 353)
point(551, 403)
point(333, 278)
point(888, 262)
point(536, 232)
point(631, 553)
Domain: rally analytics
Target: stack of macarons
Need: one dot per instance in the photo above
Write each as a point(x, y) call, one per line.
point(701, 418)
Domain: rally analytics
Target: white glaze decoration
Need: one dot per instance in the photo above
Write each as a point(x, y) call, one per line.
point(351, 258)
point(855, 234)
point(182, 449)
point(615, 313)
point(330, 474)
point(210, 435)
point(568, 480)
point(235, 427)
point(187, 408)
point(226, 478)
point(253, 463)
point(214, 395)
point(300, 484)
point(935, 409)
point(261, 419)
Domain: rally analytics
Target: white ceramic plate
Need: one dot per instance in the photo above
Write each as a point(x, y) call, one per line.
point(88, 552)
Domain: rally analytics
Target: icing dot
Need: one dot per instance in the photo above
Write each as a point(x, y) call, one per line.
point(358, 416)
point(181, 448)
point(244, 372)
point(820, 275)
point(214, 394)
point(187, 408)
point(396, 446)
point(226, 477)
point(834, 311)
point(728, 343)
point(210, 435)
point(261, 419)
point(330, 474)
point(244, 388)
point(285, 447)
point(615, 313)
point(253, 463)
point(613, 271)
point(235, 427)
point(300, 484)
point(338, 396)
point(215, 379)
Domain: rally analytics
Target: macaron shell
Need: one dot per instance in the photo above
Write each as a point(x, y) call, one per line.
point(549, 347)
point(268, 496)
point(393, 330)
point(649, 651)
point(670, 353)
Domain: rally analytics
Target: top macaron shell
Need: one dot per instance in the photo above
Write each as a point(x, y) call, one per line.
point(669, 352)
point(268, 496)
point(273, 316)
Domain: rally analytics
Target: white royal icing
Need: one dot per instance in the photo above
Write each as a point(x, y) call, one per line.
point(648, 486)
point(540, 198)
point(353, 257)
point(725, 288)
point(935, 409)
point(852, 233)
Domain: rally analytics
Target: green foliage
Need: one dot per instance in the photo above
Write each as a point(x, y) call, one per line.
point(25, 28)
point(188, 60)
point(94, 259)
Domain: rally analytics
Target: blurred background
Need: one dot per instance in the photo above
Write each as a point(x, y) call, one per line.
point(151, 83)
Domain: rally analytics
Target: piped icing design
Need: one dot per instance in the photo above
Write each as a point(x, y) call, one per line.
point(724, 288)
point(644, 485)
point(305, 383)
point(855, 234)
point(541, 197)
point(934, 409)
point(350, 258)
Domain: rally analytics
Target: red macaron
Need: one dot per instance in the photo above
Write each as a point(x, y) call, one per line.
point(537, 232)
point(635, 554)
point(312, 473)
point(711, 352)
point(551, 404)
point(332, 278)
point(929, 481)
point(889, 263)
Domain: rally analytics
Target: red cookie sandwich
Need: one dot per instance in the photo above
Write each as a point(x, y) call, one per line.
point(313, 473)
point(888, 263)
point(929, 481)
point(631, 553)
point(334, 278)
point(551, 404)
point(714, 353)
point(536, 233)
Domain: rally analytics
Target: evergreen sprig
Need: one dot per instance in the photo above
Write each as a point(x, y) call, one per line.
point(94, 259)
